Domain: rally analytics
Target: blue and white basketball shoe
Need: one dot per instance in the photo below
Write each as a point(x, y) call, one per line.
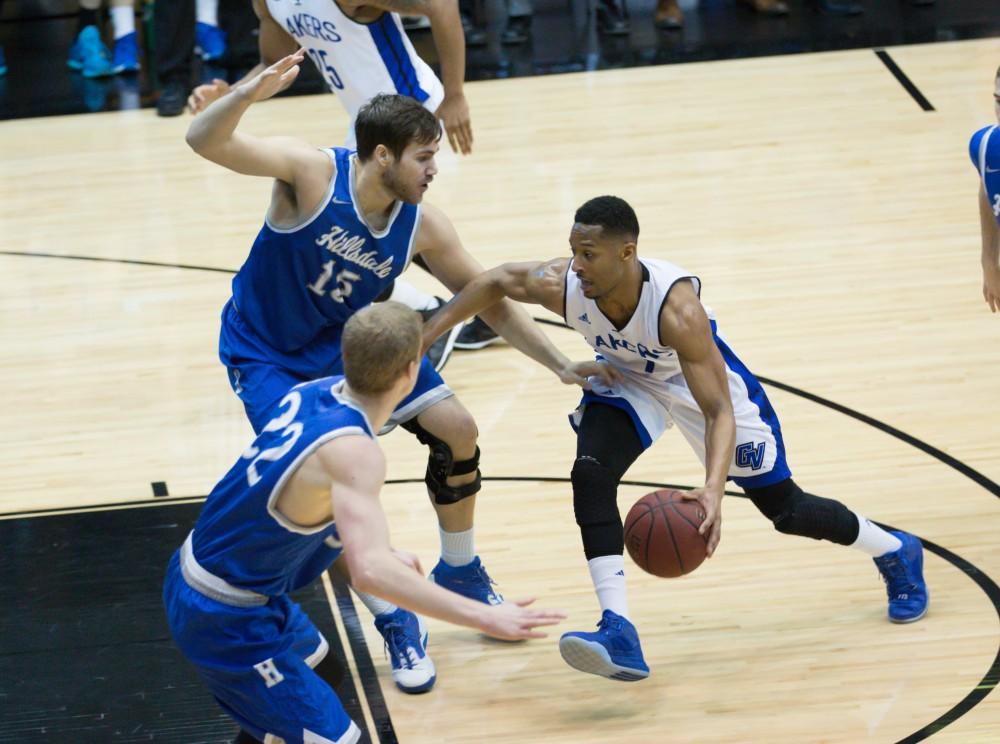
point(903, 573)
point(406, 645)
point(470, 580)
point(612, 652)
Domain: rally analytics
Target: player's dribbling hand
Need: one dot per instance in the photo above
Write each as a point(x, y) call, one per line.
point(204, 94)
point(514, 621)
point(991, 287)
point(454, 112)
point(408, 559)
point(711, 502)
point(576, 373)
point(274, 79)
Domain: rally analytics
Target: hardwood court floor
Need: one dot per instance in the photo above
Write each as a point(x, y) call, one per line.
point(835, 227)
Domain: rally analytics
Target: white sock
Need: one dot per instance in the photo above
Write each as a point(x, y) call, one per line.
point(207, 11)
point(412, 297)
point(873, 540)
point(457, 548)
point(122, 20)
point(376, 605)
point(608, 574)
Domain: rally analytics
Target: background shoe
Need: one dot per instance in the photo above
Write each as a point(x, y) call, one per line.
point(210, 41)
point(413, 23)
point(611, 19)
point(125, 57)
point(903, 573)
point(173, 99)
point(768, 7)
point(613, 651)
point(440, 350)
point(476, 335)
point(89, 55)
point(470, 580)
point(669, 16)
point(406, 645)
point(474, 35)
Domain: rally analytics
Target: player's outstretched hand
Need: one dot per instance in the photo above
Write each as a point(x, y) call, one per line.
point(514, 621)
point(576, 373)
point(274, 79)
point(454, 112)
point(205, 93)
point(711, 502)
point(991, 287)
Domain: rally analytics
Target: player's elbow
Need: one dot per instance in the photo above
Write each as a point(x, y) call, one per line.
point(364, 577)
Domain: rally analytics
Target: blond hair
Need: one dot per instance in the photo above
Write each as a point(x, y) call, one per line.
point(378, 343)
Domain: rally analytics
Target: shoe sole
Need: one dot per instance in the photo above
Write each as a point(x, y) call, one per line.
point(425, 687)
point(476, 345)
point(449, 347)
point(593, 658)
point(904, 621)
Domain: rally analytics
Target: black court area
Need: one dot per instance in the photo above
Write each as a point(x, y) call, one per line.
point(85, 653)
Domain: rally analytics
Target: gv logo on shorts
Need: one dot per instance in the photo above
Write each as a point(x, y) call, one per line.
point(749, 456)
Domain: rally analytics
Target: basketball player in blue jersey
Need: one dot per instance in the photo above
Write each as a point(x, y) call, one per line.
point(305, 492)
point(340, 227)
point(644, 318)
point(361, 50)
point(984, 149)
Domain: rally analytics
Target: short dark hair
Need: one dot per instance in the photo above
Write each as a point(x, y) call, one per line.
point(378, 343)
point(614, 215)
point(394, 121)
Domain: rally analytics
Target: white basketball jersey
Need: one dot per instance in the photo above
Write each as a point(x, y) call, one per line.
point(358, 60)
point(636, 346)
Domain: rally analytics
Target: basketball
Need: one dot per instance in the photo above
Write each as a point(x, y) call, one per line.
point(661, 534)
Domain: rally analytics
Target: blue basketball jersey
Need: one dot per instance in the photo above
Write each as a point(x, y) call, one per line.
point(984, 150)
point(241, 548)
point(299, 285)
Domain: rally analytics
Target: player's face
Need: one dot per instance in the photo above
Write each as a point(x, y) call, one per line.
point(409, 176)
point(596, 259)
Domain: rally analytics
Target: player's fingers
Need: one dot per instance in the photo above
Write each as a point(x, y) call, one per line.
point(219, 81)
point(524, 601)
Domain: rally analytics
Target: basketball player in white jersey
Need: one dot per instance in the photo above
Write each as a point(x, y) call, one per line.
point(644, 318)
point(361, 50)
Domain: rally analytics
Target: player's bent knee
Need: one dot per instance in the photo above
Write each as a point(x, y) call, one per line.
point(595, 504)
point(595, 491)
point(442, 465)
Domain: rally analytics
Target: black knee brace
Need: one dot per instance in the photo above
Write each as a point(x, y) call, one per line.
point(595, 504)
point(795, 512)
point(441, 465)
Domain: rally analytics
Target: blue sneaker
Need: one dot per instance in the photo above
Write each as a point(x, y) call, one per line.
point(3, 63)
point(89, 55)
point(612, 652)
point(125, 57)
point(470, 580)
point(406, 646)
point(903, 573)
point(210, 40)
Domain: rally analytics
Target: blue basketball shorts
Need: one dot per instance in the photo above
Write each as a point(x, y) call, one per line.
point(258, 663)
point(261, 376)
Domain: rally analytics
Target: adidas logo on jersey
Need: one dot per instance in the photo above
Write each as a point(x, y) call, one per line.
point(584, 318)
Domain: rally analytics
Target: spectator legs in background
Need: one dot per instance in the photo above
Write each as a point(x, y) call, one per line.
point(173, 22)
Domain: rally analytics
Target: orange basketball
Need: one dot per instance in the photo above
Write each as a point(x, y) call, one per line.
point(661, 534)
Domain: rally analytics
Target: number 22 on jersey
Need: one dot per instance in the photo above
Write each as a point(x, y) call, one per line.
point(290, 430)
